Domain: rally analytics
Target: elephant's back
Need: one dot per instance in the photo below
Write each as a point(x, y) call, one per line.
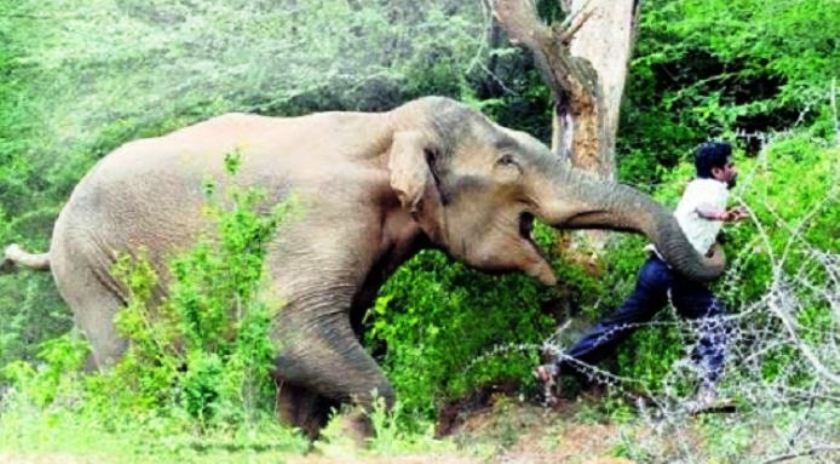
point(271, 150)
point(150, 193)
point(126, 205)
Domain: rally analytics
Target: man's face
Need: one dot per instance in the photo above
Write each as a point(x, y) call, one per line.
point(727, 173)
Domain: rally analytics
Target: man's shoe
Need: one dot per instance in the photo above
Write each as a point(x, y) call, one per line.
point(708, 400)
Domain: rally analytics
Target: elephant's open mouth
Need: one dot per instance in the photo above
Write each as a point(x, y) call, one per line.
point(526, 228)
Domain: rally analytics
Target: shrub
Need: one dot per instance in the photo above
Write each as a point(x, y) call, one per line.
point(442, 329)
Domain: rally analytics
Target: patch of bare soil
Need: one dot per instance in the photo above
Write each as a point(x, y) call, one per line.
point(529, 433)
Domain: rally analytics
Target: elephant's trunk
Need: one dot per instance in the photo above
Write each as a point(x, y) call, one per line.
point(578, 201)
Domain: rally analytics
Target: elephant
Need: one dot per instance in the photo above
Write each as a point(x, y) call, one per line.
point(374, 189)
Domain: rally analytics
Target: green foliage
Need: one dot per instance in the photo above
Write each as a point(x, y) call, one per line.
point(85, 435)
point(792, 218)
point(725, 438)
point(704, 69)
point(30, 308)
point(446, 329)
point(435, 317)
point(214, 315)
point(45, 382)
point(649, 355)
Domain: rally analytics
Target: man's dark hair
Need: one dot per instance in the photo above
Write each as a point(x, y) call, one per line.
point(711, 155)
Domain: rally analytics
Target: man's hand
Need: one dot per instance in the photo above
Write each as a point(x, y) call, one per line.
point(730, 215)
point(735, 214)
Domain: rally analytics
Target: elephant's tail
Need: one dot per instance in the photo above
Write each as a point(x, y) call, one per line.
point(14, 257)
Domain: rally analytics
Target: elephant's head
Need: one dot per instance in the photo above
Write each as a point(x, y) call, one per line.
point(475, 188)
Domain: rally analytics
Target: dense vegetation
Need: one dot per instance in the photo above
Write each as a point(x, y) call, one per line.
point(81, 78)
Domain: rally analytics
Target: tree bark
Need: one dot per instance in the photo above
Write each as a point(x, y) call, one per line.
point(584, 61)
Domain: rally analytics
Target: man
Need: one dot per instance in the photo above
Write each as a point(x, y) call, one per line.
point(700, 213)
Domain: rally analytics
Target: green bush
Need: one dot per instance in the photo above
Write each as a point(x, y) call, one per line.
point(444, 330)
point(712, 68)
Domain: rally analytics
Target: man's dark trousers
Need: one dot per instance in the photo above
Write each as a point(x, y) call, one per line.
point(691, 299)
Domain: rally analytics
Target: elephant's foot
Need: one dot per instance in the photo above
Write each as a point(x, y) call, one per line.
point(350, 429)
point(337, 368)
point(356, 426)
point(302, 408)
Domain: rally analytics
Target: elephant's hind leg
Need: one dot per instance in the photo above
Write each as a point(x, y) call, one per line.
point(94, 299)
point(94, 311)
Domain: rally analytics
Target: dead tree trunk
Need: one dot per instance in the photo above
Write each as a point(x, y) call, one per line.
point(584, 61)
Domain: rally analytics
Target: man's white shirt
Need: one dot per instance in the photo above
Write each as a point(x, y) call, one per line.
point(706, 194)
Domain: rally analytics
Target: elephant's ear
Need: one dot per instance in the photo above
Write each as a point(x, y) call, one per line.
point(411, 176)
point(412, 179)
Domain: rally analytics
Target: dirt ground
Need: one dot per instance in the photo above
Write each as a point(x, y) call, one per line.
point(534, 434)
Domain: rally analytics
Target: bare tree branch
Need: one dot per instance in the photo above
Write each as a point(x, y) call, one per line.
point(577, 128)
point(566, 37)
point(563, 72)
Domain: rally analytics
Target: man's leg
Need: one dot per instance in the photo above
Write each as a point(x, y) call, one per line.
point(649, 296)
point(696, 302)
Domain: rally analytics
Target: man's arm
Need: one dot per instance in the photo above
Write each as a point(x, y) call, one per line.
point(714, 214)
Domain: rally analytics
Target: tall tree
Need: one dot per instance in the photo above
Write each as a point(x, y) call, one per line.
point(584, 61)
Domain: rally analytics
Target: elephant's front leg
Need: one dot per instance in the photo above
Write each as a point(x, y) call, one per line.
point(321, 357)
point(319, 273)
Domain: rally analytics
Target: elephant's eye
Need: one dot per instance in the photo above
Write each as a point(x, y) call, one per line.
point(507, 160)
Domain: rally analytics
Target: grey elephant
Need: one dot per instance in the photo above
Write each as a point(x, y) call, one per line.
point(373, 188)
